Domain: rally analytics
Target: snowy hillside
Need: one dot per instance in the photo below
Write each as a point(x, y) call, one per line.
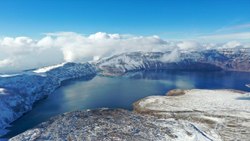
point(222, 112)
point(207, 60)
point(19, 92)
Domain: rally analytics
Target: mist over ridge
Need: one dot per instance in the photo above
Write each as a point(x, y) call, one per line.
point(21, 53)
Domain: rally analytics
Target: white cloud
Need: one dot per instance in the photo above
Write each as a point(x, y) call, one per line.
point(226, 37)
point(20, 53)
point(234, 28)
point(174, 56)
point(5, 62)
point(232, 44)
point(189, 45)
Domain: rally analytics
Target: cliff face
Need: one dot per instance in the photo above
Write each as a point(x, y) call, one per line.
point(19, 92)
point(236, 60)
point(208, 60)
point(186, 115)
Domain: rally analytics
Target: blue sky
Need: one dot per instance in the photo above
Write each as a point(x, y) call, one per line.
point(170, 19)
point(35, 33)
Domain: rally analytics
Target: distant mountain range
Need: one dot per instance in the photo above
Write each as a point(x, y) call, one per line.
point(207, 60)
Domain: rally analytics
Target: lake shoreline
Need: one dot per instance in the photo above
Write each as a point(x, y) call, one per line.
point(200, 123)
point(164, 79)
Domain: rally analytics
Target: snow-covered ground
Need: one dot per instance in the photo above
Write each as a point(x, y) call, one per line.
point(114, 124)
point(225, 112)
point(19, 92)
point(199, 100)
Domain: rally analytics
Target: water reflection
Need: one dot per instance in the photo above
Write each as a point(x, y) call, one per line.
point(209, 80)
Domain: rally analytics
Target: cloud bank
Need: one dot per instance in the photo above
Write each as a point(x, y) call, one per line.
point(228, 36)
point(21, 53)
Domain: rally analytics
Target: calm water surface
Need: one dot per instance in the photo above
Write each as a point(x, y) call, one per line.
point(121, 92)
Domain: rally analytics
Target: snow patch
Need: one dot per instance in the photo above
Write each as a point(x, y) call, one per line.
point(8, 75)
point(46, 69)
point(2, 91)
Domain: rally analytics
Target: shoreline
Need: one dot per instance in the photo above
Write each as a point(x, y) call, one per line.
point(63, 81)
point(205, 112)
point(30, 88)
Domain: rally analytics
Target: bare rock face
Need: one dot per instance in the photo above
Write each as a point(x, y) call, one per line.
point(225, 112)
point(175, 92)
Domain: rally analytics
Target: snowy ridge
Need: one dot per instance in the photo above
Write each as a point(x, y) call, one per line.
point(46, 69)
point(206, 60)
point(19, 92)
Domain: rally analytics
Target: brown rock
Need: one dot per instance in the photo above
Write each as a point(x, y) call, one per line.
point(175, 92)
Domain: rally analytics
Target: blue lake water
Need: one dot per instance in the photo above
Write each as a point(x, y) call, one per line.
point(121, 92)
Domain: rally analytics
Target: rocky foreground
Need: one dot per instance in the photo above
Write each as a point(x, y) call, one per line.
point(189, 115)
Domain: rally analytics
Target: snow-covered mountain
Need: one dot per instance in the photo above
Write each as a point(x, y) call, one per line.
point(207, 60)
point(19, 92)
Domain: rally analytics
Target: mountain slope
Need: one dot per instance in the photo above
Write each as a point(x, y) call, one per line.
point(208, 60)
point(19, 92)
